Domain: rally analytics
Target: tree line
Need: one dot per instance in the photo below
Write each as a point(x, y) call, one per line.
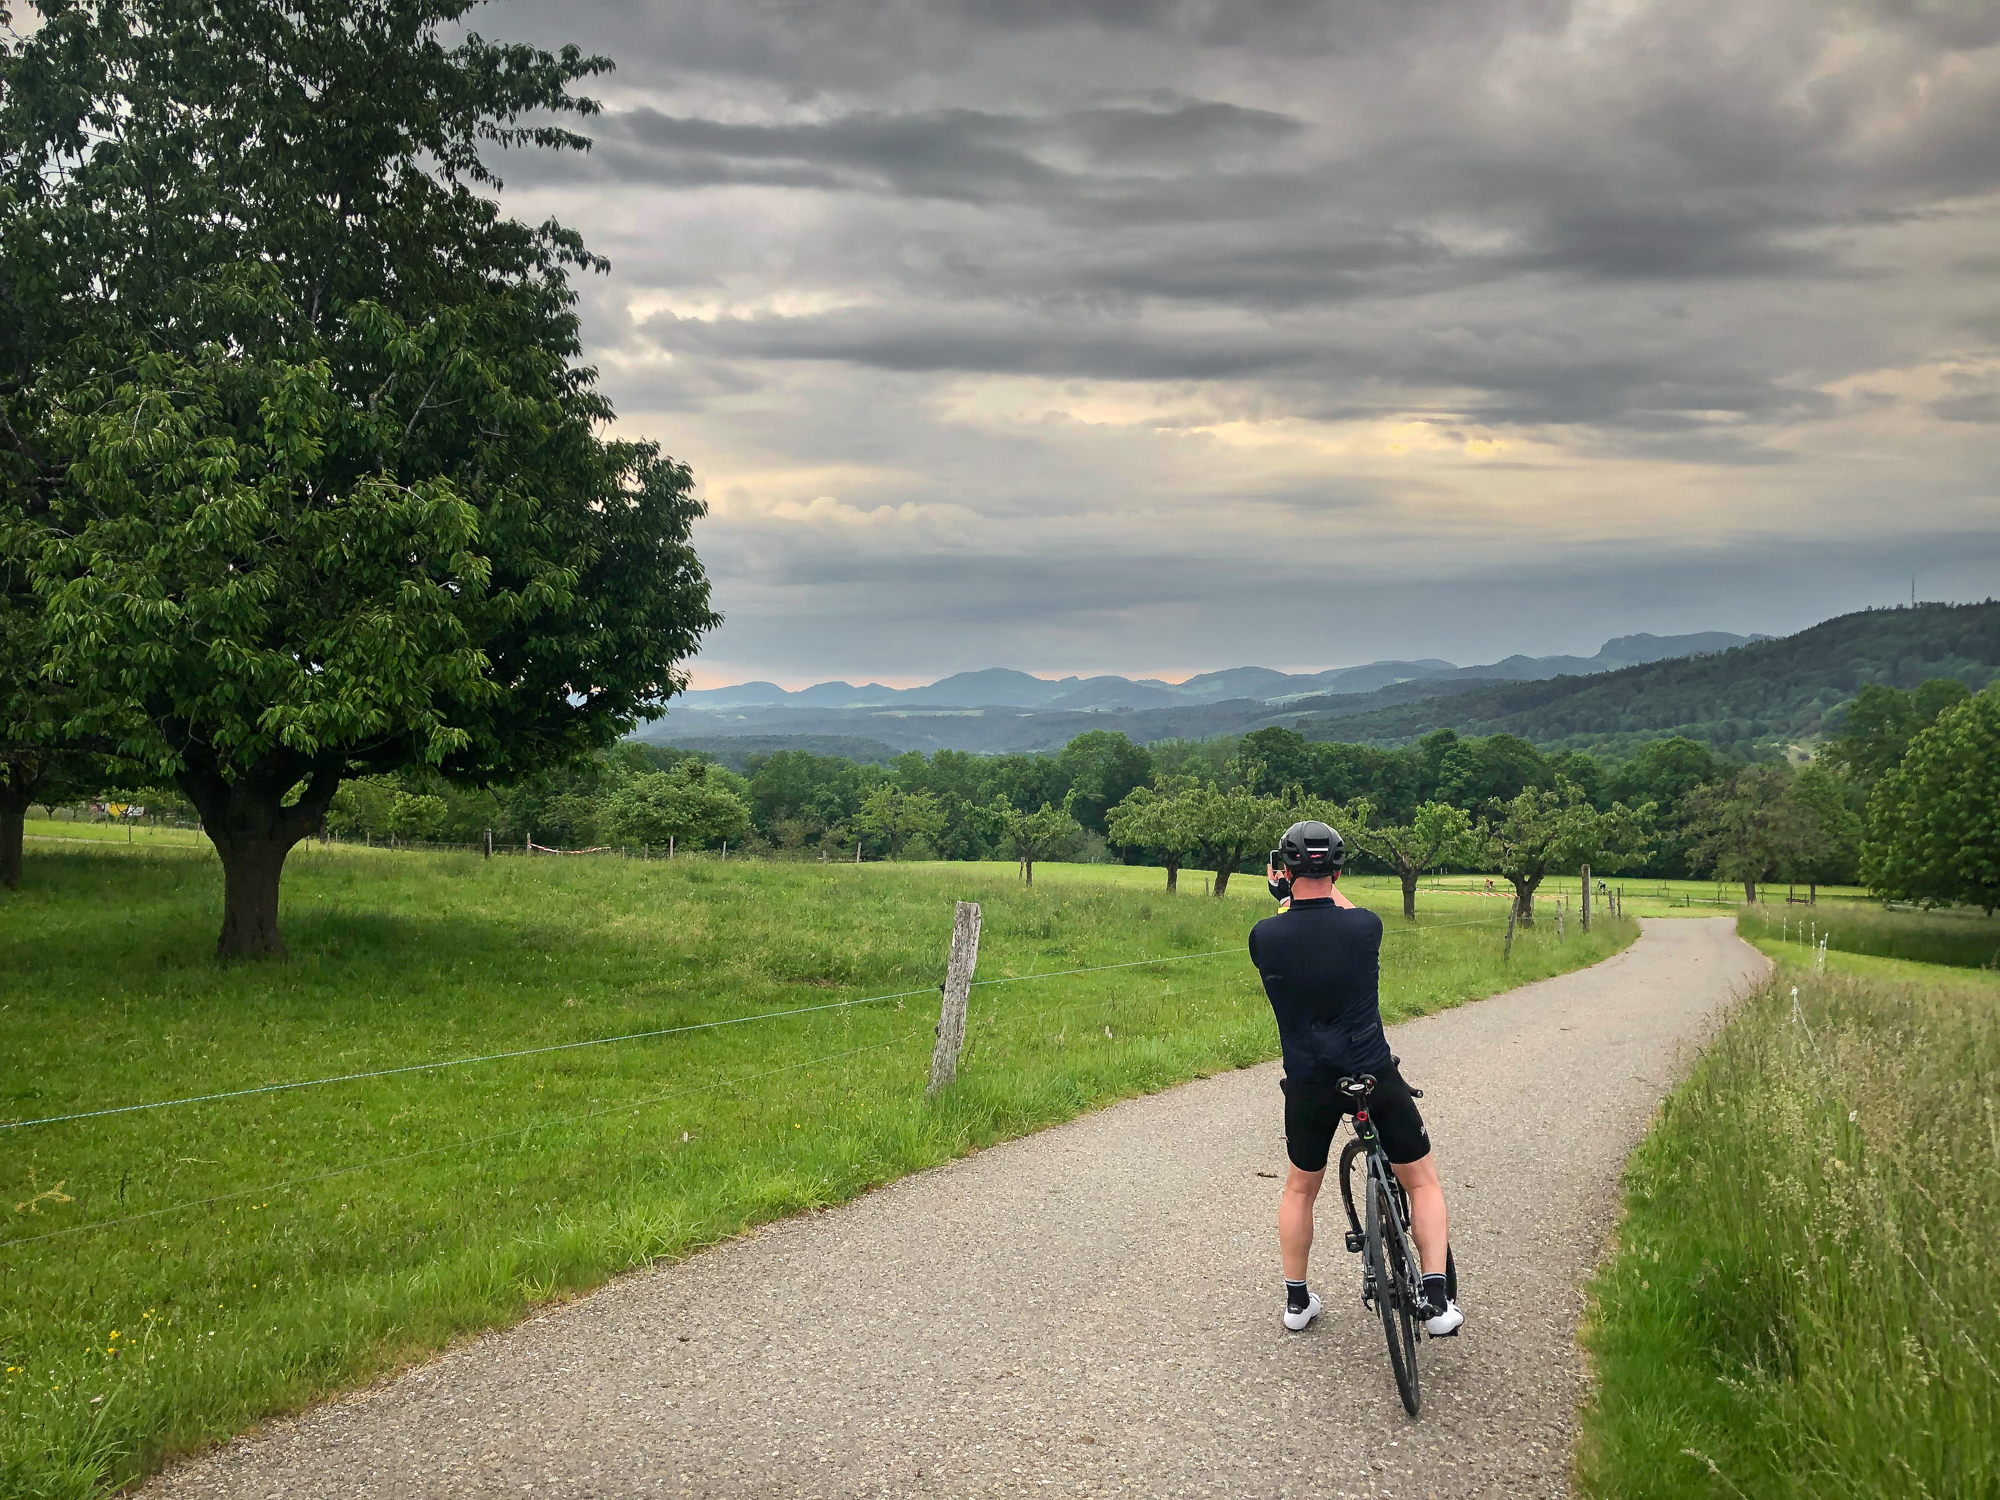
point(1675, 809)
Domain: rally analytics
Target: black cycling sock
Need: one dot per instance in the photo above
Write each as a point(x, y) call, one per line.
point(1296, 1296)
point(1434, 1291)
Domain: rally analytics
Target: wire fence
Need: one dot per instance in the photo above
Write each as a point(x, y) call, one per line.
point(634, 1105)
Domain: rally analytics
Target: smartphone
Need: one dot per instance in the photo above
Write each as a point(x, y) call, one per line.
point(1277, 860)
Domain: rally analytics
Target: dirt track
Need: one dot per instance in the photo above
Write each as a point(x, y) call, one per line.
point(1092, 1310)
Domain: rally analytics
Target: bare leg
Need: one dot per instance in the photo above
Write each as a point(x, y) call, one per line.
point(1429, 1225)
point(1295, 1221)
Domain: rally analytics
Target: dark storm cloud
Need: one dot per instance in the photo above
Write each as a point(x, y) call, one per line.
point(1004, 255)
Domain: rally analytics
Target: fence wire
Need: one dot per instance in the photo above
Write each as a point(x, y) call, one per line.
point(636, 1036)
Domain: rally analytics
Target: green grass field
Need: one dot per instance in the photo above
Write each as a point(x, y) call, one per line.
point(173, 1275)
point(1959, 938)
point(1797, 1304)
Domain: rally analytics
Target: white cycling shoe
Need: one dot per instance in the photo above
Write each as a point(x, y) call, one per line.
point(1297, 1321)
point(1445, 1323)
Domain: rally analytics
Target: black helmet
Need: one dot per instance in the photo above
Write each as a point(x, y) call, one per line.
point(1312, 849)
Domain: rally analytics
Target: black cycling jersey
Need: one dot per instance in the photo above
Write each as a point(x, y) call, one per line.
point(1321, 965)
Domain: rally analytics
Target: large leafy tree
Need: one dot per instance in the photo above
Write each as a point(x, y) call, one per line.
point(1752, 827)
point(1934, 820)
point(1226, 826)
point(1151, 817)
point(1438, 834)
point(897, 817)
point(321, 488)
point(1877, 727)
point(1557, 829)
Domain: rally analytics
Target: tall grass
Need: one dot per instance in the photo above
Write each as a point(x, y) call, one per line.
point(484, 1190)
point(1961, 938)
point(1802, 1298)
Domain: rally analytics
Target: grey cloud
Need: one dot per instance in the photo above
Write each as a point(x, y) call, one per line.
point(1655, 236)
point(1983, 406)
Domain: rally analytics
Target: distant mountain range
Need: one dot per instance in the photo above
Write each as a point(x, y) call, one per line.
point(1001, 687)
point(1746, 695)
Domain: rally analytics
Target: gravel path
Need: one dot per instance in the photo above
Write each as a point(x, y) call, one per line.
point(1092, 1310)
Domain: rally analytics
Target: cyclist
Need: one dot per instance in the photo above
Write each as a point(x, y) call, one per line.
point(1320, 959)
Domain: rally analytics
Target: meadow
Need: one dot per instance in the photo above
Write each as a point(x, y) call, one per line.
point(1958, 937)
point(1796, 1305)
point(173, 1275)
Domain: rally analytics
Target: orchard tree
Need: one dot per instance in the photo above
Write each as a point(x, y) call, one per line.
point(695, 805)
point(1151, 817)
point(1934, 820)
point(1751, 827)
point(320, 488)
point(1225, 828)
point(1833, 857)
point(1557, 829)
point(1438, 834)
point(899, 816)
point(1047, 833)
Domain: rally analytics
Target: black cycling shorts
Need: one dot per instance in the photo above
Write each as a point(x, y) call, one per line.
point(1312, 1116)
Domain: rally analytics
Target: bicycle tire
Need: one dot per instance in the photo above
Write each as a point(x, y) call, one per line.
point(1354, 1151)
point(1450, 1275)
point(1388, 1260)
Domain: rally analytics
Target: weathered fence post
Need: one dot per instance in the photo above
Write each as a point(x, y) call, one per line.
point(1513, 911)
point(1584, 911)
point(1559, 918)
point(489, 843)
point(957, 986)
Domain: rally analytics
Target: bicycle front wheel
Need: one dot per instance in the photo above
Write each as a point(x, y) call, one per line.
point(1389, 1260)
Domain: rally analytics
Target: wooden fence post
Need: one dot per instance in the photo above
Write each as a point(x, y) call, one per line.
point(1513, 911)
point(1559, 918)
point(957, 986)
point(1584, 911)
point(489, 843)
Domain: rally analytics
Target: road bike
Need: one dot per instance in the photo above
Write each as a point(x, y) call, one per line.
point(1378, 1229)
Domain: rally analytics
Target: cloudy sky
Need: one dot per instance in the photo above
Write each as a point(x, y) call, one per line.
point(1156, 336)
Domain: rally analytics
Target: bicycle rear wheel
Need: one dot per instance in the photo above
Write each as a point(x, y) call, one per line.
point(1395, 1298)
point(1354, 1181)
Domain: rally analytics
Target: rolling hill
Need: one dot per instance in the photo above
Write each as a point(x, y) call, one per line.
point(1748, 699)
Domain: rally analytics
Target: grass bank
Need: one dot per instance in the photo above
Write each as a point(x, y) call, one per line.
point(170, 1276)
point(1797, 1301)
point(1958, 938)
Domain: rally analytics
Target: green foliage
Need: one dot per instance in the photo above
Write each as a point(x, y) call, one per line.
point(1539, 831)
point(1101, 766)
point(899, 817)
point(322, 491)
point(696, 805)
point(1804, 1253)
point(1934, 820)
point(1049, 832)
point(1755, 826)
point(1439, 834)
point(1876, 728)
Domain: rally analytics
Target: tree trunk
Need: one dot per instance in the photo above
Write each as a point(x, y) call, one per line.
point(1173, 876)
point(1524, 897)
point(1028, 871)
point(253, 830)
point(1812, 893)
point(1749, 890)
point(1221, 879)
point(1409, 895)
point(13, 817)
